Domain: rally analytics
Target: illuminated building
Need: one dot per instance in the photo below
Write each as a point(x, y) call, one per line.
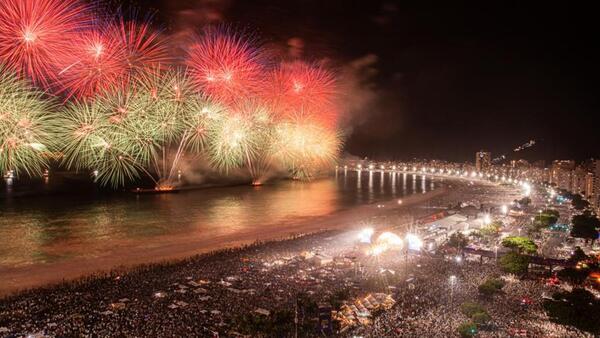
point(483, 160)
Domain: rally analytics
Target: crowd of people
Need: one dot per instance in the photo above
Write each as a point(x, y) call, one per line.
point(201, 296)
point(428, 304)
point(275, 289)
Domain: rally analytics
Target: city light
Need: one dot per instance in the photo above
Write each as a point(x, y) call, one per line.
point(365, 235)
point(487, 219)
point(414, 242)
point(376, 250)
point(526, 189)
point(154, 128)
point(390, 239)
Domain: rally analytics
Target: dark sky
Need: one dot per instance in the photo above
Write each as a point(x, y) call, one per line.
point(451, 78)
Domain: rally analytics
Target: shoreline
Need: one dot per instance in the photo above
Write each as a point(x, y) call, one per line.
point(259, 289)
point(181, 247)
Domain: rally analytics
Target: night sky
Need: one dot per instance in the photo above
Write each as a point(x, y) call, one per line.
point(438, 81)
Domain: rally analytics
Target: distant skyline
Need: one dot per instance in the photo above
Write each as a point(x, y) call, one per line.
point(439, 81)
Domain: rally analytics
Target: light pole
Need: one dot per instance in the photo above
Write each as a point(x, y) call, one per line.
point(296, 318)
point(452, 282)
point(496, 251)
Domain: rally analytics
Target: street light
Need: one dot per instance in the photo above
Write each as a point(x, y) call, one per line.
point(452, 282)
point(365, 235)
point(486, 219)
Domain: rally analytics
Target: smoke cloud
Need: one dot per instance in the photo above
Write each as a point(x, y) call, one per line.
point(358, 89)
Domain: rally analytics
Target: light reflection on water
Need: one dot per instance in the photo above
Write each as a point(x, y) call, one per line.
point(52, 228)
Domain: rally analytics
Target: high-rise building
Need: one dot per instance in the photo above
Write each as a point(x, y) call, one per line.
point(520, 164)
point(546, 175)
point(483, 160)
point(560, 173)
point(589, 185)
point(595, 196)
point(539, 164)
point(581, 182)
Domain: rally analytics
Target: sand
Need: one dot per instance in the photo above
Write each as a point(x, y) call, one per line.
point(181, 246)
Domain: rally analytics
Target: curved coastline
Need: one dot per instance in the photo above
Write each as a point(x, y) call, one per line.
point(178, 247)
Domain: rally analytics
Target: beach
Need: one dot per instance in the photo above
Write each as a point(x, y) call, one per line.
point(276, 283)
point(179, 246)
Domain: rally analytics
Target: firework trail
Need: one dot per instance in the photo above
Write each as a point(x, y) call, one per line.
point(34, 34)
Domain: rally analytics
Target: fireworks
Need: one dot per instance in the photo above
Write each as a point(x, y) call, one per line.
point(300, 90)
point(144, 47)
point(26, 126)
point(95, 63)
point(304, 147)
point(225, 66)
point(129, 112)
point(108, 56)
point(144, 129)
point(34, 34)
point(241, 138)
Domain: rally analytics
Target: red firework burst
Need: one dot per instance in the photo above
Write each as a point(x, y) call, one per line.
point(96, 62)
point(301, 90)
point(144, 47)
point(225, 66)
point(34, 33)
